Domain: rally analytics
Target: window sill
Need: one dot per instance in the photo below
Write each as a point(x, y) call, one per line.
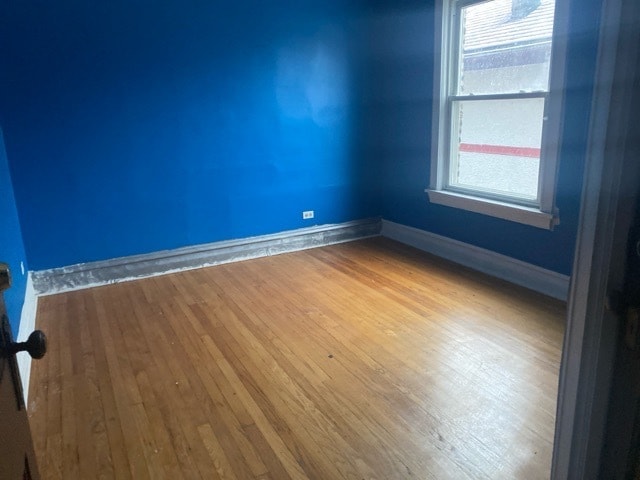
point(506, 211)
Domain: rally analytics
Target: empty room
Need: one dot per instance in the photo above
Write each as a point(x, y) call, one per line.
point(319, 239)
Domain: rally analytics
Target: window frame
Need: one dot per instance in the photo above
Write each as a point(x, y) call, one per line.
point(541, 214)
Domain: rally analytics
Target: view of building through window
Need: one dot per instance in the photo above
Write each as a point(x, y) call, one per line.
point(499, 93)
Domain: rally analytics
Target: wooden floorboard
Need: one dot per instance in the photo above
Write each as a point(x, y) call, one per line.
point(365, 360)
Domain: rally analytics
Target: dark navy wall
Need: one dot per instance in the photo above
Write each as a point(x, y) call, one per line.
point(11, 246)
point(401, 64)
point(138, 126)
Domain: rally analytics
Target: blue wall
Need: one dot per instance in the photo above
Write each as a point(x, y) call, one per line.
point(138, 126)
point(11, 246)
point(400, 97)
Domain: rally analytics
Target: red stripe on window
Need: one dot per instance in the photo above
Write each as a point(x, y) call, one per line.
point(500, 150)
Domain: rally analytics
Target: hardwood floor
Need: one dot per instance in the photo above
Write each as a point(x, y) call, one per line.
point(356, 361)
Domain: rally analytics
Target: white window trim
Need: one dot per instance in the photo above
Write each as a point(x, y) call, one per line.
point(546, 214)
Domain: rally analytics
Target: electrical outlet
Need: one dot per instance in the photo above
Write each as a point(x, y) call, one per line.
point(307, 214)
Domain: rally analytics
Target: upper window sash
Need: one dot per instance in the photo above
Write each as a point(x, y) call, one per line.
point(454, 43)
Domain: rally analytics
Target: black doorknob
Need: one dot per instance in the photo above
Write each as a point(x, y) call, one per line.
point(36, 345)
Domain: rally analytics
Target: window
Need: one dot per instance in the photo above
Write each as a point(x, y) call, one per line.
point(497, 109)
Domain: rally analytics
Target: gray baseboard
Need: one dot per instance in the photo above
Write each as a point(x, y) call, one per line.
point(515, 271)
point(92, 274)
point(86, 275)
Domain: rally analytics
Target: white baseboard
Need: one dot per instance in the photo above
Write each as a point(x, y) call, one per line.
point(27, 325)
point(521, 273)
point(94, 274)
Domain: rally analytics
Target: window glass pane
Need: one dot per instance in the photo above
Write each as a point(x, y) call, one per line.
point(496, 146)
point(505, 46)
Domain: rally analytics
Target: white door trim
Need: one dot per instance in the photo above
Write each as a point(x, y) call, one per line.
point(587, 354)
